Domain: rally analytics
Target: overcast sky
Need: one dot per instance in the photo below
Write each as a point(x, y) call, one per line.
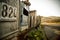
point(46, 7)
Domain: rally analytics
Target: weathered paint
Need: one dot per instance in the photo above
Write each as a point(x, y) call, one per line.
point(8, 25)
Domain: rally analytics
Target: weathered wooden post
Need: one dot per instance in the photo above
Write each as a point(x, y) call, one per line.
point(32, 18)
point(9, 17)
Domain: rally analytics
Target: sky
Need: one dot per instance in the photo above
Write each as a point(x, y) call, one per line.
point(46, 7)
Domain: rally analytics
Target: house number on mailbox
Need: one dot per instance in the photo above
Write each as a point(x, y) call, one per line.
point(8, 12)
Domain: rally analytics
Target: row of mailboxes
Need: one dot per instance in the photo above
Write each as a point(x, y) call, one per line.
point(14, 17)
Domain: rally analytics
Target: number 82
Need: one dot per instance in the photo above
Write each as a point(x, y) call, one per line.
point(9, 13)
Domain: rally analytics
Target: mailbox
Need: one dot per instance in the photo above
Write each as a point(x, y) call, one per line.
point(9, 18)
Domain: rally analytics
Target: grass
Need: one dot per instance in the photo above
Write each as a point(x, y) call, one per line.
point(36, 34)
